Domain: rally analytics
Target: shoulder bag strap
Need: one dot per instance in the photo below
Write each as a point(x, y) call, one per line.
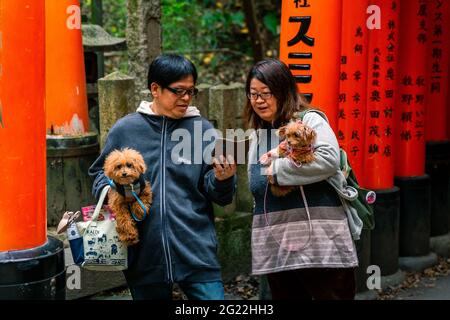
point(98, 207)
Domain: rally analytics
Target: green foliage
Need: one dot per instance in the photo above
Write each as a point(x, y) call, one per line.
point(271, 22)
point(212, 33)
point(115, 17)
point(199, 25)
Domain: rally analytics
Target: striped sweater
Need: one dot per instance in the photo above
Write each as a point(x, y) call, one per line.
point(283, 238)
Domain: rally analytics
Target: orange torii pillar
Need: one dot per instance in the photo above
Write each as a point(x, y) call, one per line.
point(31, 264)
point(352, 106)
point(70, 147)
point(410, 177)
point(437, 113)
point(66, 99)
point(378, 167)
point(310, 46)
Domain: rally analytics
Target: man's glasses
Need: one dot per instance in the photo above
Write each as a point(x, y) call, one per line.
point(180, 93)
point(263, 95)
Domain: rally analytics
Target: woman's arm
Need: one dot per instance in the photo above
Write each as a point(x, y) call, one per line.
point(326, 154)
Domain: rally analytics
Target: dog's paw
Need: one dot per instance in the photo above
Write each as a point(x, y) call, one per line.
point(281, 191)
point(137, 209)
point(128, 233)
point(129, 239)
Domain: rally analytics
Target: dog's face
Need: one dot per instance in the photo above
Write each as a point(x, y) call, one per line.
point(124, 166)
point(297, 134)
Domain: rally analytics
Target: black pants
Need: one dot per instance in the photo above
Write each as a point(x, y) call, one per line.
point(314, 283)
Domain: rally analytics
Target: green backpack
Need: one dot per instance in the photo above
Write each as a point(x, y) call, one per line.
point(363, 204)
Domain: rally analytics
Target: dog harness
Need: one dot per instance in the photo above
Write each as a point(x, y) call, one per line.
point(131, 191)
point(127, 190)
point(294, 153)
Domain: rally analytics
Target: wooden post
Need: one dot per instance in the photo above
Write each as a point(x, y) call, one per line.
point(116, 99)
point(222, 107)
point(202, 99)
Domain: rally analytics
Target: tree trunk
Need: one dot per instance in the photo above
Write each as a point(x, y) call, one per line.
point(143, 38)
point(255, 34)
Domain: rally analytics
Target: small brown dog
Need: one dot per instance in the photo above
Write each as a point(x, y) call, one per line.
point(126, 168)
point(297, 146)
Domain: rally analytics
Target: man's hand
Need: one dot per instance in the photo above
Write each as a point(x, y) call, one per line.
point(224, 169)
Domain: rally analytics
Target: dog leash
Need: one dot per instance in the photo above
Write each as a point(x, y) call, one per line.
point(141, 204)
point(307, 212)
point(113, 185)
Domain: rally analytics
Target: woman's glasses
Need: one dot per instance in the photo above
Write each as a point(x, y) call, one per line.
point(263, 95)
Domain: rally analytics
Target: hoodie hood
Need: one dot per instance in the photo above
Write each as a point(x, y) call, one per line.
point(145, 107)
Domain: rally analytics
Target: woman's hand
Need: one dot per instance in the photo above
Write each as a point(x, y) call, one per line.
point(225, 168)
point(267, 158)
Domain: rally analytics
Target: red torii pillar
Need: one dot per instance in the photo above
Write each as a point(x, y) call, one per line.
point(310, 46)
point(438, 58)
point(353, 83)
point(437, 115)
point(352, 106)
point(414, 234)
point(31, 265)
point(379, 142)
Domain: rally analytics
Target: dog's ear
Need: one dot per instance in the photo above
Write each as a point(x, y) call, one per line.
point(110, 163)
point(307, 134)
point(281, 132)
point(140, 164)
point(138, 160)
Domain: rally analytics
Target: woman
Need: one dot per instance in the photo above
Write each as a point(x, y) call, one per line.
point(177, 240)
point(301, 242)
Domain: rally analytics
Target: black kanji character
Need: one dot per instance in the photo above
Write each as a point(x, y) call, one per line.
point(406, 117)
point(373, 148)
point(354, 150)
point(387, 151)
point(405, 135)
point(373, 131)
point(356, 113)
point(305, 23)
point(388, 131)
point(303, 4)
point(374, 114)
point(388, 112)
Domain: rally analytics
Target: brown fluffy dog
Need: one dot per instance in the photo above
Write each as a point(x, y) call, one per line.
point(296, 146)
point(126, 168)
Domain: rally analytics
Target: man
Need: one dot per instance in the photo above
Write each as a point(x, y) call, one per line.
point(177, 240)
